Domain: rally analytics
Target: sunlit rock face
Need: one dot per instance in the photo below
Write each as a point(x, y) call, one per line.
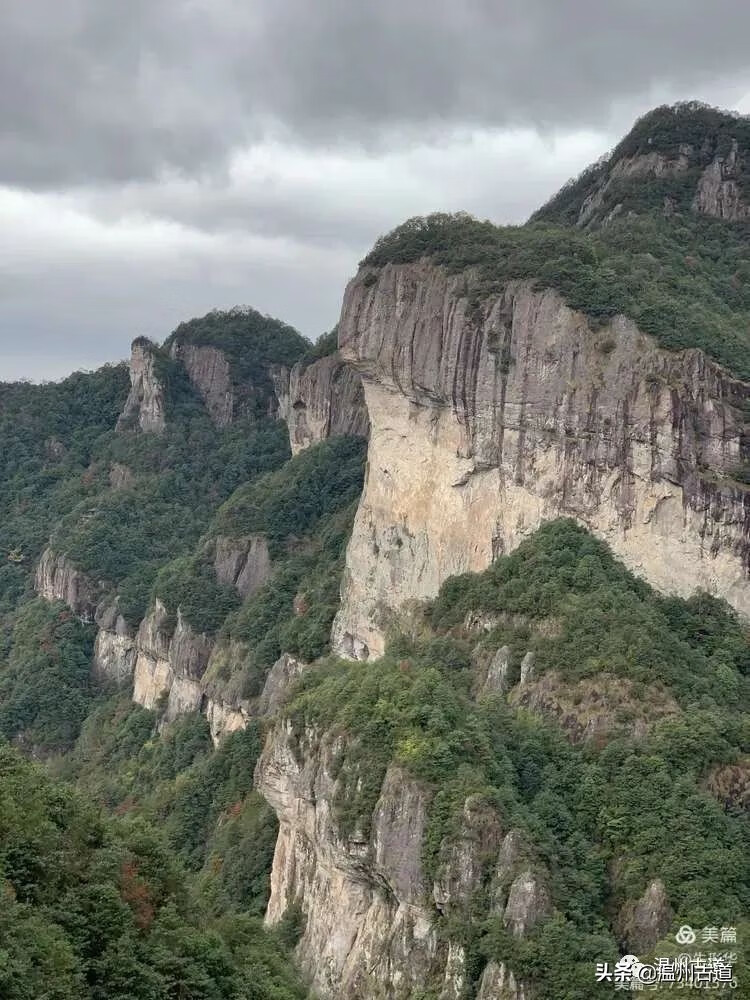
point(370, 921)
point(489, 417)
point(145, 406)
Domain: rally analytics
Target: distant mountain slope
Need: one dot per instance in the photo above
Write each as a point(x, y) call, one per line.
point(679, 159)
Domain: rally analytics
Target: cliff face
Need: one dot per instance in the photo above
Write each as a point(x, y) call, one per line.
point(719, 193)
point(57, 579)
point(209, 372)
point(370, 912)
point(684, 158)
point(488, 419)
point(242, 563)
point(169, 665)
point(144, 406)
point(320, 400)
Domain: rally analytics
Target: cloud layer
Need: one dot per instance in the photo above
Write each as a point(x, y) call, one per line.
point(165, 156)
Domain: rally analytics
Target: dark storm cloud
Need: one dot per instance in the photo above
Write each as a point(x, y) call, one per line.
point(103, 90)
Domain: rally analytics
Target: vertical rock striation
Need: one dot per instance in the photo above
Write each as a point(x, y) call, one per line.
point(489, 417)
point(145, 404)
point(208, 370)
point(320, 400)
point(370, 922)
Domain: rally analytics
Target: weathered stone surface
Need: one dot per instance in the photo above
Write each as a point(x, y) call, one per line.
point(528, 903)
point(320, 400)
point(209, 372)
point(368, 928)
point(499, 983)
point(57, 579)
point(121, 477)
point(648, 920)
point(114, 657)
point(145, 405)
point(595, 708)
point(169, 664)
point(512, 858)
point(486, 422)
point(242, 563)
point(527, 668)
point(496, 678)
point(465, 858)
point(224, 718)
point(719, 192)
point(640, 166)
point(281, 677)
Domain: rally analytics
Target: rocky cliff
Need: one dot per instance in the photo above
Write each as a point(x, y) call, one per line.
point(208, 370)
point(57, 579)
point(145, 404)
point(370, 913)
point(491, 414)
point(687, 158)
point(320, 400)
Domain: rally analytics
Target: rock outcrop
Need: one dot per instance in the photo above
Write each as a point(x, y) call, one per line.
point(208, 369)
point(368, 927)
point(719, 193)
point(595, 708)
point(320, 400)
point(242, 563)
point(370, 923)
point(145, 405)
point(169, 664)
point(490, 417)
point(57, 579)
point(647, 920)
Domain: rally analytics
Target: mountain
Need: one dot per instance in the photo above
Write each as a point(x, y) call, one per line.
point(428, 642)
point(693, 158)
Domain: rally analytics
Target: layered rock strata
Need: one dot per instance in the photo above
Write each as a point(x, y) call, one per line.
point(320, 400)
point(490, 417)
point(370, 919)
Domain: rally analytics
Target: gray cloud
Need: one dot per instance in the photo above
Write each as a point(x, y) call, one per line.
point(100, 90)
point(162, 157)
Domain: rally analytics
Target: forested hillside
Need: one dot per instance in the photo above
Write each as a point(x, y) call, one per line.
point(548, 768)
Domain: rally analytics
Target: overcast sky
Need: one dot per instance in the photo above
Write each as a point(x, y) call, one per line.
point(159, 158)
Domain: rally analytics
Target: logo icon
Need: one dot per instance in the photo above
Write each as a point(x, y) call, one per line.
point(685, 935)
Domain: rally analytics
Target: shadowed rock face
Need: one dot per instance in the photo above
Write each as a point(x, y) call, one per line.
point(488, 419)
point(145, 405)
point(647, 920)
point(320, 400)
point(242, 563)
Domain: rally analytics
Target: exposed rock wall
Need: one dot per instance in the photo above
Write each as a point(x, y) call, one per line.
point(629, 168)
point(57, 579)
point(320, 400)
point(169, 665)
point(242, 563)
point(368, 925)
point(488, 419)
point(719, 193)
point(209, 372)
point(145, 404)
point(370, 919)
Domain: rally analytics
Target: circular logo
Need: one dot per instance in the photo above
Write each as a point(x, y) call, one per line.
point(685, 935)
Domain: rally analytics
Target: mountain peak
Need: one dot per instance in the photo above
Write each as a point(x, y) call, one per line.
point(680, 158)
